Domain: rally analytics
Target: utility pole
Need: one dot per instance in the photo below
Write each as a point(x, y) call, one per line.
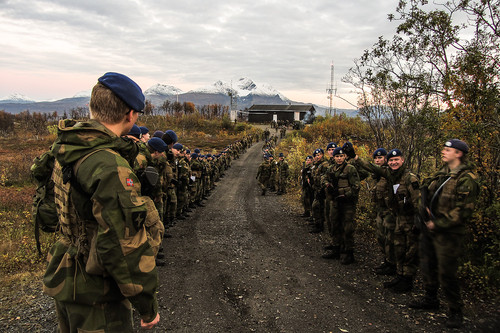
point(331, 91)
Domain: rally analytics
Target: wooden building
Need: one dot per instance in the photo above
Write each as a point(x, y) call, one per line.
point(267, 113)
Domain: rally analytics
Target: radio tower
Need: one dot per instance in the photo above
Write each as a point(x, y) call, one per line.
point(331, 92)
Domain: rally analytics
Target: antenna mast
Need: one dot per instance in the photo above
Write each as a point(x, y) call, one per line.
point(331, 90)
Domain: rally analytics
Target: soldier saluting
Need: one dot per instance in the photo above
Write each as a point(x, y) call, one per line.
point(448, 200)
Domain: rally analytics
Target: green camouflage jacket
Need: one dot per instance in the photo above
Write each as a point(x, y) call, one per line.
point(103, 255)
point(454, 203)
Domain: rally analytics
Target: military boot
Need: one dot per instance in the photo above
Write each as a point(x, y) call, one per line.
point(348, 258)
point(305, 214)
point(427, 302)
point(393, 282)
point(404, 285)
point(317, 228)
point(455, 319)
point(332, 252)
point(264, 191)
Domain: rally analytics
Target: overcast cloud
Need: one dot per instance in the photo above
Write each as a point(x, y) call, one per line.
point(54, 49)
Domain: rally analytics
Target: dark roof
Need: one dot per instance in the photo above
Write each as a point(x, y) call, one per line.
point(281, 107)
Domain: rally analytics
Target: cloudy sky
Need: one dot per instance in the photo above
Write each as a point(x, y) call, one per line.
point(54, 49)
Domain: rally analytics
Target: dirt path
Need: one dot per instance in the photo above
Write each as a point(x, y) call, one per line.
point(246, 263)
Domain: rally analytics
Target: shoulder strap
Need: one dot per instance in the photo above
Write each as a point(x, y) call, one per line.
point(82, 159)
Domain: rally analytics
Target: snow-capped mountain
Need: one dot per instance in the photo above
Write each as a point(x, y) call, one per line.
point(161, 89)
point(16, 98)
point(242, 87)
point(84, 93)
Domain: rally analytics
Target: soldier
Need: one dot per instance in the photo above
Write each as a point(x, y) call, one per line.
point(341, 181)
point(170, 138)
point(448, 200)
point(318, 206)
point(102, 264)
point(264, 173)
point(145, 136)
point(402, 196)
point(385, 221)
point(283, 172)
point(329, 200)
point(307, 192)
point(182, 180)
point(274, 173)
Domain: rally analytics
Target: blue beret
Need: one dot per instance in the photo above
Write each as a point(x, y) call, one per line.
point(144, 130)
point(309, 157)
point(188, 151)
point(394, 153)
point(331, 145)
point(194, 155)
point(135, 131)
point(157, 144)
point(177, 146)
point(197, 151)
point(281, 155)
point(209, 155)
point(457, 144)
point(158, 134)
point(126, 89)
point(338, 151)
point(318, 151)
point(380, 152)
point(169, 137)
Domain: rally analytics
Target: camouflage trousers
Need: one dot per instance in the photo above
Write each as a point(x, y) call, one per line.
point(385, 225)
point(306, 199)
point(264, 183)
point(341, 219)
point(440, 252)
point(405, 246)
point(109, 317)
point(170, 206)
point(272, 182)
point(318, 210)
point(182, 199)
point(282, 184)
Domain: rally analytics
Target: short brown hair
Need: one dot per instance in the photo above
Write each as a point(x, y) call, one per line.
point(105, 106)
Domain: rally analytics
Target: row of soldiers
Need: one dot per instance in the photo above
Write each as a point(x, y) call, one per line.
point(272, 175)
point(414, 220)
point(176, 179)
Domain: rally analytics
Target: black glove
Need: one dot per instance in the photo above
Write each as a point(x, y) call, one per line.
point(348, 149)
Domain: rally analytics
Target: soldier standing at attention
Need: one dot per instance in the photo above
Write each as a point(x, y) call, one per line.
point(448, 200)
point(318, 206)
point(274, 173)
point(102, 263)
point(263, 174)
point(385, 221)
point(404, 195)
point(329, 200)
point(306, 181)
point(342, 184)
point(283, 172)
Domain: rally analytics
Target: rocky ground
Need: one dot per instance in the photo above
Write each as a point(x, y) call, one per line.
point(246, 263)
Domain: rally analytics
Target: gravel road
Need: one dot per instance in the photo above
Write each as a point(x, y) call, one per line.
point(246, 263)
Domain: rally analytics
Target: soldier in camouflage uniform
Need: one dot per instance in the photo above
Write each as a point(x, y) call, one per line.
point(403, 196)
point(385, 220)
point(102, 264)
point(448, 200)
point(341, 181)
point(329, 200)
point(307, 195)
point(182, 180)
point(318, 206)
point(170, 138)
point(283, 173)
point(273, 178)
point(263, 174)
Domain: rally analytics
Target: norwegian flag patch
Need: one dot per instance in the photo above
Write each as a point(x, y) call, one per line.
point(130, 182)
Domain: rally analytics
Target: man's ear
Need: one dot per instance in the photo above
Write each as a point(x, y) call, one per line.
point(129, 116)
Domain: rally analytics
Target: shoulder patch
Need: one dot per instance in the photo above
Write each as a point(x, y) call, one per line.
point(129, 182)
